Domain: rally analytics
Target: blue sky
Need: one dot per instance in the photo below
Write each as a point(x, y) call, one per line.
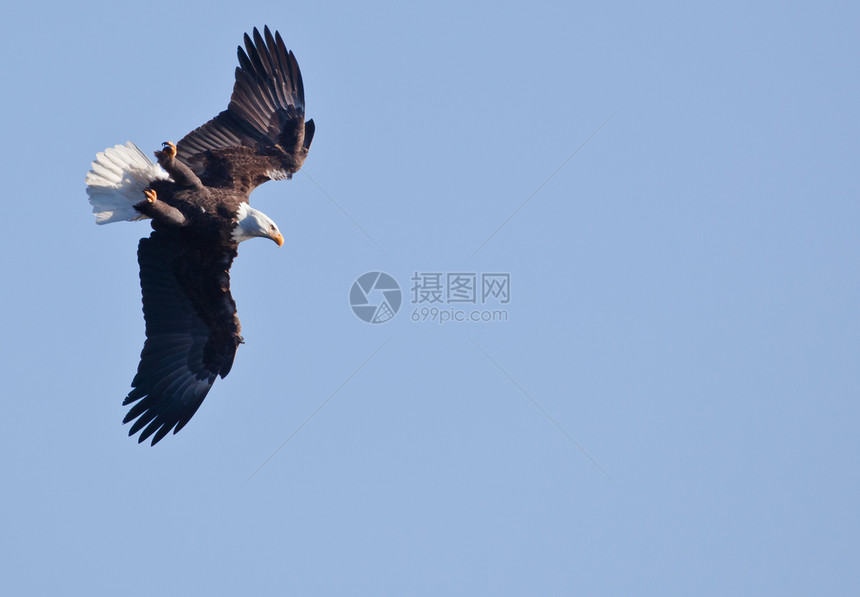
point(670, 407)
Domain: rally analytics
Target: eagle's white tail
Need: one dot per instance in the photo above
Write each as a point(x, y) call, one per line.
point(117, 180)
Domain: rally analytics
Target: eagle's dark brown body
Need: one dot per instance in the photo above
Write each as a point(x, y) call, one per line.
point(197, 205)
point(192, 329)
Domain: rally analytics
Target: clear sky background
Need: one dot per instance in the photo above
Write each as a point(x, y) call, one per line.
point(671, 407)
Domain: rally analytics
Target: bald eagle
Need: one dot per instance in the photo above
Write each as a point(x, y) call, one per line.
point(197, 200)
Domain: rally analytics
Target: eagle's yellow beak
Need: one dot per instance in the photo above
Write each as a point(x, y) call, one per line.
point(279, 239)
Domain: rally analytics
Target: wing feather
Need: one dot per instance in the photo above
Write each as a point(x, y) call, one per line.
point(275, 66)
point(191, 332)
point(261, 134)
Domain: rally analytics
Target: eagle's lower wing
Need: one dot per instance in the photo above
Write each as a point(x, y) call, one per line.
point(262, 135)
point(191, 332)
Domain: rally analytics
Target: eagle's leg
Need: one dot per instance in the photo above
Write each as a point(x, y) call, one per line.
point(159, 210)
point(179, 172)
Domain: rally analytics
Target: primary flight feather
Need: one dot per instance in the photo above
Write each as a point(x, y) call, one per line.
point(197, 199)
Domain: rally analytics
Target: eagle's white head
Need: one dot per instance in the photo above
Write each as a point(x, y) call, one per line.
point(252, 222)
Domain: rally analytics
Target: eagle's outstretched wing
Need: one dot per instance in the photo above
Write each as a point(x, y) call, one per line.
point(191, 331)
point(262, 135)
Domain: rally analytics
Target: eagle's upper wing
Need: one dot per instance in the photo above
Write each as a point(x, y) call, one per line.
point(191, 331)
point(262, 134)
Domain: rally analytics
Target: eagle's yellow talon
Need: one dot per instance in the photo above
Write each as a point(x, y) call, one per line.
point(168, 150)
point(150, 195)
